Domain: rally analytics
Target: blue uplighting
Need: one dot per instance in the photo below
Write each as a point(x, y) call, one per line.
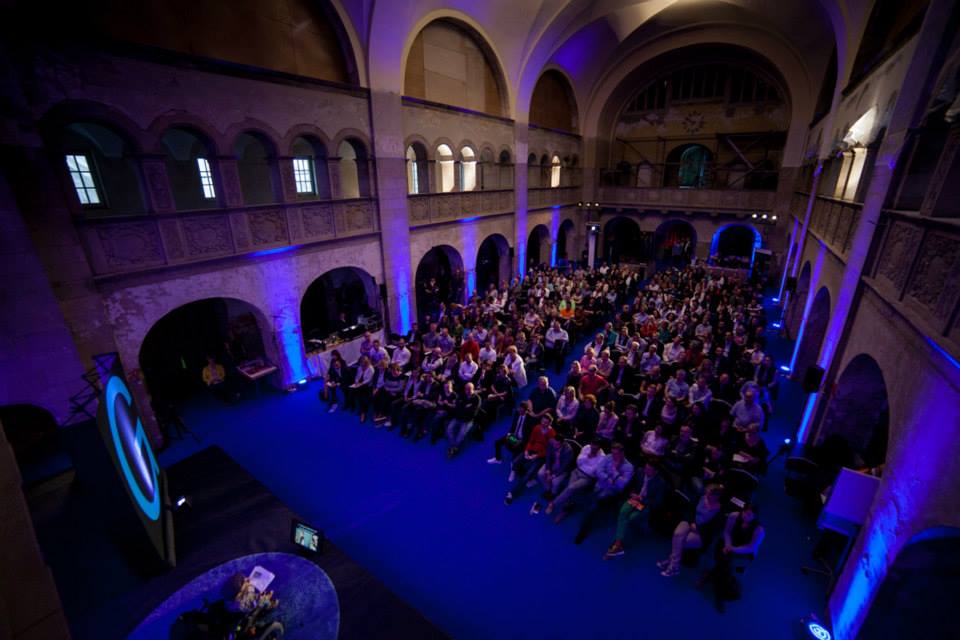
point(805, 421)
point(784, 367)
point(942, 352)
point(776, 325)
point(270, 252)
point(302, 381)
point(470, 219)
point(775, 299)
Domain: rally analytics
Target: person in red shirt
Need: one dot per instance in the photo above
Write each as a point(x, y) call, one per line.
point(471, 346)
point(525, 467)
point(592, 383)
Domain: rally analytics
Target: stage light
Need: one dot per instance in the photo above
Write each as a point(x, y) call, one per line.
point(754, 216)
point(596, 204)
point(776, 325)
point(775, 300)
point(784, 367)
point(787, 441)
point(773, 217)
point(183, 502)
point(764, 216)
point(302, 381)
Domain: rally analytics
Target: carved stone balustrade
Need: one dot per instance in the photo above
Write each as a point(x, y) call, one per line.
point(138, 243)
point(428, 208)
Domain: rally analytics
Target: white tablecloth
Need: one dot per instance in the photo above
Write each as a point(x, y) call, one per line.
point(319, 361)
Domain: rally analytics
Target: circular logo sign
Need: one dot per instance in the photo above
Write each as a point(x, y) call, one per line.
point(137, 462)
point(818, 631)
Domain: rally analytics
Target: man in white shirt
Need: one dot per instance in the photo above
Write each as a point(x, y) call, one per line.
point(488, 353)
point(468, 369)
point(378, 353)
point(556, 339)
point(401, 355)
point(583, 477)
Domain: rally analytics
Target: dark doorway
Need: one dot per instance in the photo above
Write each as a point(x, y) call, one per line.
point(440, 279)
point(336, 300)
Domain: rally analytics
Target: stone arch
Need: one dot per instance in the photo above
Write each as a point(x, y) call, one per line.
point(553, 104)
point(859, 411)
point(919, 587)
point(798, 301)
point(493, 262)
point(348, 290)
point(303, 131)
point(190, 122)
point(190, 158)
point(256, 156)
point(444, 265)
point(310, 154)
point(743, 245)
point(467, 158)
point(495, 97)
point(675, 240)
point(623, 241)
point(566, 236)
point(102, 170)
point(812, 333)
point(62, 114)
point(172, 351)
point(353, 160)
point(418, 173)
point(538, 246)
point(688, 166)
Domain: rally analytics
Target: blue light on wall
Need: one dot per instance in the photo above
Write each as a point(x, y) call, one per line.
point(271, 252)
point(818, 631)
point(554, 233)
point(757, 240)
point(805, 421)
point(131, 445)
point(814, 281)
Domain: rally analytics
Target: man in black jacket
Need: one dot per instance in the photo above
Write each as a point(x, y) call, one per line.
point(516, 438)
point(464, 417)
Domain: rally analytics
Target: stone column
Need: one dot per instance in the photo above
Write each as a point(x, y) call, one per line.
point(159, 195)
point(520, 132)
point(591, 248)
point(333, 169)
point(230, 181)
point(386, 118)
point(288, 183)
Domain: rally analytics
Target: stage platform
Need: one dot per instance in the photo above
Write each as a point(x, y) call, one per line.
point(232, 515)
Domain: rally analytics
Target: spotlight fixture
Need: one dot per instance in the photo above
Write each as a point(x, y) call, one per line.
point(754, 216)
point(764, 216)
point(787, 441)
point(776, 325)
point(181, 504)
point(785, 368)
point(579, 204)
point(775, 300)
point(302, 381)
point(773, 217)
point(596, 204)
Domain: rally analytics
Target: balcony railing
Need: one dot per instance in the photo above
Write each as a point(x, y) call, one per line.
point(442, 207)
point(675, 175)
point(916, 268)
point(732, 200)
point(835, 221)
point(539, 197)
point(140, 243)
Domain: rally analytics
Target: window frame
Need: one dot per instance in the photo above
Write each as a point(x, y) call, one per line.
point(205, 171)
point(96, 183)
point(310, 168)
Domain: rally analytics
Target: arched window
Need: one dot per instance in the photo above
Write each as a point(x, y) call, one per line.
point(487, 173)
point(189, 169)
point(102, 168)
point(533, 171)
point(446, 163)
point(310, 173)
point(413, 171)
point(255, 167)
point(354, 170)
point(555, 172)
point(468, 169)
point(688, 166)
point(504, 170)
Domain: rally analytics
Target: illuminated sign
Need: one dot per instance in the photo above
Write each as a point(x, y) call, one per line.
point(134, 454)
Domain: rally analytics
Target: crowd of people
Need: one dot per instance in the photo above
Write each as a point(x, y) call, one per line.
point(659, 419)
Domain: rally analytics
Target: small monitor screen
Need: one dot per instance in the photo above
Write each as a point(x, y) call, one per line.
point(306, 536)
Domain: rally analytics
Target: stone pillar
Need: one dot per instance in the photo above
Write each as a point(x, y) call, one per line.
point(333, 169)
point(159, 198)
point(520, 132)
point(288, 183)
point(230, 181)
point(386, 117)
point(591, 248)
point(29, 604)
